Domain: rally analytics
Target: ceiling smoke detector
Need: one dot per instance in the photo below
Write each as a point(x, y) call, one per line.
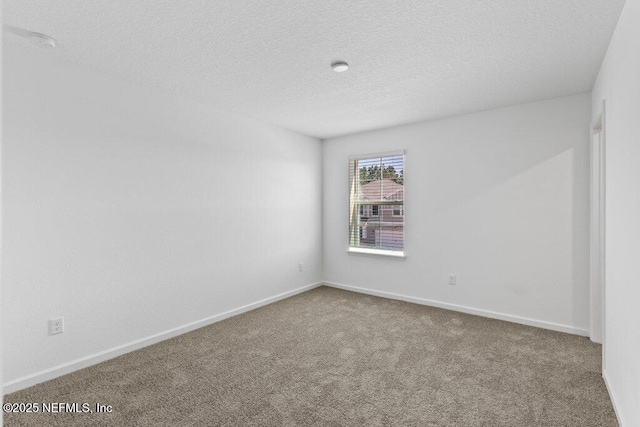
point(42, 40)
point(339, 66)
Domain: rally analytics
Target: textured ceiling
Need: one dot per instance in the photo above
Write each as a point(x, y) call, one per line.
point(410, 60)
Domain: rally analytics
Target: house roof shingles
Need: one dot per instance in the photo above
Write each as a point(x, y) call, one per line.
point(382, 190)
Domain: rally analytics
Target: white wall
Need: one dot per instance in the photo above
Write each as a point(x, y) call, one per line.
point(131, 212)
point(619, 85)
point(499, 198)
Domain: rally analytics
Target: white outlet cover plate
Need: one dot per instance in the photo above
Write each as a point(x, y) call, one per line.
point(56, 326)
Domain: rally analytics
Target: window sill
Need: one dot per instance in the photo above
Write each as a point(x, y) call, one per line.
point(377, 253)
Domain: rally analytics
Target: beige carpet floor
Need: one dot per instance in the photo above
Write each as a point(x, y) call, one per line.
point(334, 358)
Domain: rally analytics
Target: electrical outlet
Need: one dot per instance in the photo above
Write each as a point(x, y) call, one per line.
point(56, 326)
point(452, 279)
point(300, 267)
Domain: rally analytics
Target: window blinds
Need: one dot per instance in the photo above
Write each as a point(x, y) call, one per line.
point(376, 202)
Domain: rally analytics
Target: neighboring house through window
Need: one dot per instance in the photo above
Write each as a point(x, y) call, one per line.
point(376, 203)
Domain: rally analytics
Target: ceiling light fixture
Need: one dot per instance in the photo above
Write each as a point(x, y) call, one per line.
point(339, 66)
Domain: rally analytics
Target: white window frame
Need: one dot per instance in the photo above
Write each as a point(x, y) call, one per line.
point(380, 252)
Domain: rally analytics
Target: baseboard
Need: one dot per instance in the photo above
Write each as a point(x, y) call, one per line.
point(463, 309)
point(84, 362)
point(613, 400)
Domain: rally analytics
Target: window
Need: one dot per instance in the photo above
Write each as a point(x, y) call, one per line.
point(376, 204)
point(368, 210)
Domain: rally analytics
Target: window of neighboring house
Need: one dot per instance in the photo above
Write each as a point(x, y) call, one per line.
point(366, 211)
point(376, 196)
